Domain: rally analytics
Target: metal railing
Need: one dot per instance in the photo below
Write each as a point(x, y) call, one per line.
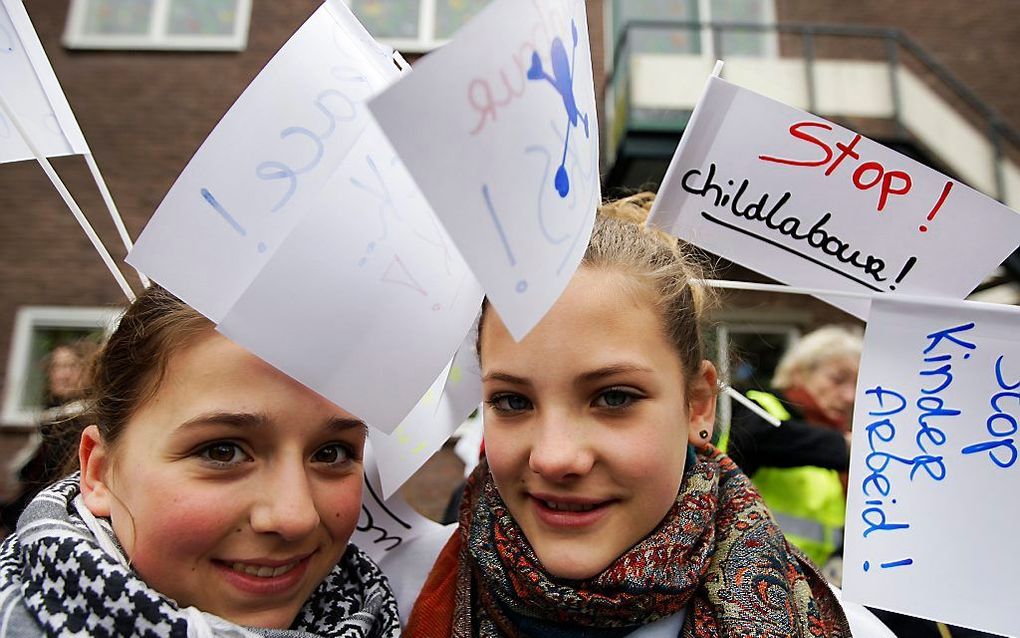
point(894, 43)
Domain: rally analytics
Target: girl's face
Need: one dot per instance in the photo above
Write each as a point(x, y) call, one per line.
point(587, 422)
point(833, 385)
point(234, 489)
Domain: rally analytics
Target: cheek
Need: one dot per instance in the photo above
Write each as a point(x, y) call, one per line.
point(653, 460)
point(339, 507)
point(506, 454)
point(169, 532)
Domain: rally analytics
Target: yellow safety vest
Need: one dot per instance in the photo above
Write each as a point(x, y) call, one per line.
point(808, 502)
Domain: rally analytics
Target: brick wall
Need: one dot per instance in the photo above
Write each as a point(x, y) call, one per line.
point(978, 42)
point(145, 113)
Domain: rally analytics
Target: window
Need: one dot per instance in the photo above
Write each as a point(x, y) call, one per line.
point(38, 331)
point(158, 24)
point(415, 25)
point(693, 38)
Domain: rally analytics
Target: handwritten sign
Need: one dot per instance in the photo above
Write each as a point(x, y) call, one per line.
point(499, 130)
point(264, 163)
point(367, 298)
point(934, 472)
point(385, 524)
point(31, 89)
point(453, 396)
point(813, 204)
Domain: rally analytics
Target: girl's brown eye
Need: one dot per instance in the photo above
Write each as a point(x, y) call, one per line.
point(223, 453)
point(332, 455)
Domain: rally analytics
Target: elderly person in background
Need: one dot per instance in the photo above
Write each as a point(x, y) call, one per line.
point(800, 467)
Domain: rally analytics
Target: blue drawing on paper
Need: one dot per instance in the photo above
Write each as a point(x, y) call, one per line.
point(562, 80)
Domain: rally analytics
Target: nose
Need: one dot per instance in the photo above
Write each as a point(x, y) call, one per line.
point(560, 449)
point(285, 504)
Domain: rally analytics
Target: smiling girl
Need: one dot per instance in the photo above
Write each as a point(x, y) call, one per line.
point(601, 509)
point(216, 497)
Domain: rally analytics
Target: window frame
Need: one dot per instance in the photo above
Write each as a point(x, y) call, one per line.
point(15, 412)
point(157, 38)
point(426, 25)
point(704, 8)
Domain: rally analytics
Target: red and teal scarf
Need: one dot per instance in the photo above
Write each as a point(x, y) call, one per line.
point(717, 553)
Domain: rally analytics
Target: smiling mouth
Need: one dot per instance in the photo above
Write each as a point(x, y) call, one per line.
point(263, 571)
point(570, 507)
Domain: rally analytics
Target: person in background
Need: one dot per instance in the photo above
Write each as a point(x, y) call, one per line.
point(55, 444)
point(800, 467)
point(216, 497)
point(600, 507)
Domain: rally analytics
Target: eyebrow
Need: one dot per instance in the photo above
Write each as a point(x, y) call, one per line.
point(613, 370)
point(247, 420)
point(587, 377)
point(506, 377)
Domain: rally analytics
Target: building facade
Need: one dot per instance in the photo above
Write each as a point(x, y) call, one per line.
point(930, 78)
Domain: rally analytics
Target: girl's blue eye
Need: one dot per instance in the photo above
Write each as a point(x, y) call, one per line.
point(224, 453)
point(509, 403)
point(333, 454)
point(616, 398)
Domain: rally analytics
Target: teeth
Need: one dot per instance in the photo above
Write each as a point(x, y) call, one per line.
point(569, 507)
point(263, 571)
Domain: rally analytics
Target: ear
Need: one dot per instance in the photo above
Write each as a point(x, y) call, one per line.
point(94, 458)
point(701, 405)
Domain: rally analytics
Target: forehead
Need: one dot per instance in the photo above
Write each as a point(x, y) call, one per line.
point(602, 314)
point(211, 374)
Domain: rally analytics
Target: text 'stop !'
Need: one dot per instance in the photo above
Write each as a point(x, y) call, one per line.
point(812, 204)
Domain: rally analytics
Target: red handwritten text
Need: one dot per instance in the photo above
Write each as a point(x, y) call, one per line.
point(488, 95)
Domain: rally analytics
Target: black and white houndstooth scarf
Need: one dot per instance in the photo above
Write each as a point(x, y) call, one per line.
point(64, 567)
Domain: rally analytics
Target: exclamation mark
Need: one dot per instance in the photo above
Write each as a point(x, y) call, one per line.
point(942, 199)
point(227, 216)
point(903, 271)
point(522, 285)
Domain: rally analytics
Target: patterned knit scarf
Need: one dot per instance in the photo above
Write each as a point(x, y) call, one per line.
point(718, 554)
point(65, 569)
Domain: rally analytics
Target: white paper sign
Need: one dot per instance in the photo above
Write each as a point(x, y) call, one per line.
point(499, 130)
point(810, 203)
point(934, 475)
point(385, 524)
point(367, 298)
point(31, 89)
point(264, 163)
point(453, 396)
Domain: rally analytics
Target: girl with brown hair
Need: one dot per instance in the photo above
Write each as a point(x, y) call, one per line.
point(216, 496)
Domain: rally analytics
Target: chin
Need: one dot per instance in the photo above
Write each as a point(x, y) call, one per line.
point(561, 565)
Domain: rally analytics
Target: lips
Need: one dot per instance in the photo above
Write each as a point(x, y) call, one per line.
point(569, 507)
point(264, 577)
point(264, 571)
point(569, 513)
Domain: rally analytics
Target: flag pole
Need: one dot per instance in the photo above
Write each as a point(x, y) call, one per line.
point(65, 194)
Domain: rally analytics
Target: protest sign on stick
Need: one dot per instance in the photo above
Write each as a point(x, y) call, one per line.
point(367, 298)
point(79, 216)
point(499, 130)
point(37, 121)
point(264, 163)
point(810, 203)
point(33, 93)
point(934, 471)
